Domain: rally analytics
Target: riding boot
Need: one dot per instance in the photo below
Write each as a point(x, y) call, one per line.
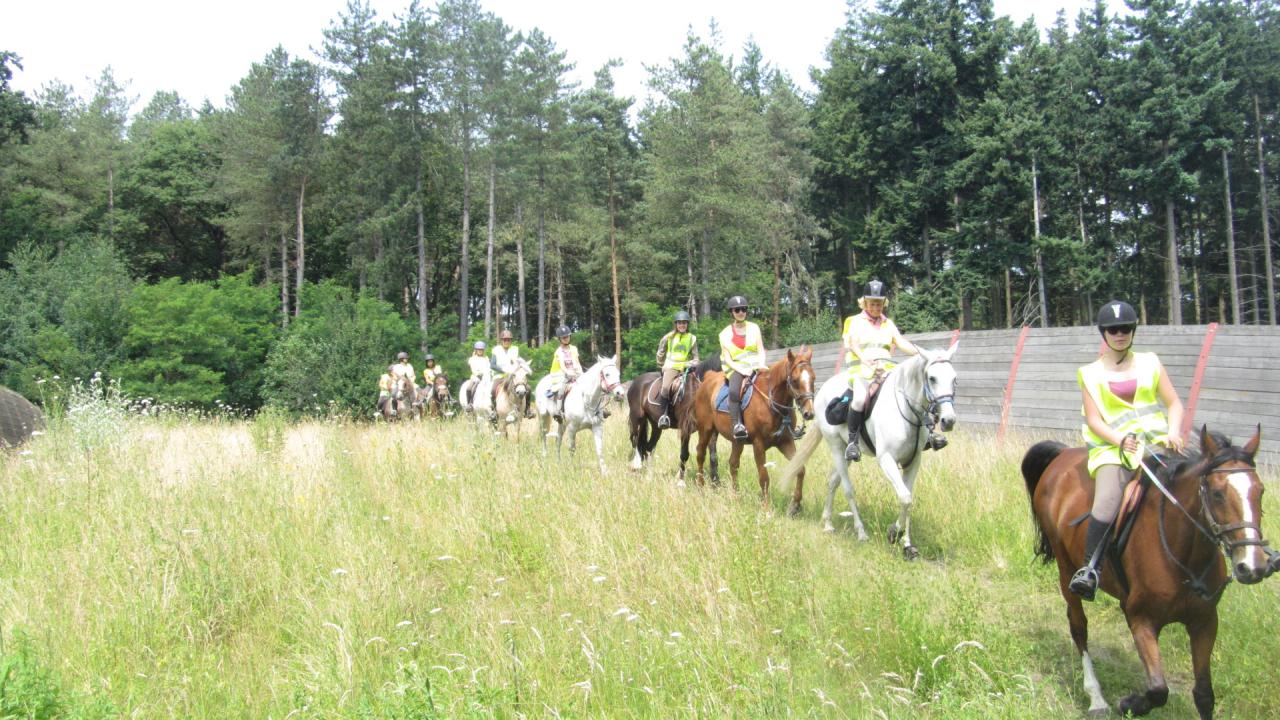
point(1097, 537)
point(739, 429)
point(664, 421)
point(558, 415)
point(852, 451)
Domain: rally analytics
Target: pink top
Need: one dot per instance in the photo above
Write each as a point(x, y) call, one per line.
point(1124, 389)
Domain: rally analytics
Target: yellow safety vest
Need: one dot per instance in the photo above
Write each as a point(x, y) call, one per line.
point(874, 342)
point(679, 347)
point(1143, 417)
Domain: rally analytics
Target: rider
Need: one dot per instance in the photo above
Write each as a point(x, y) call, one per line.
point(480, 370)
point(405, 369)
point(741, 355)
point(677, 350)
point(430, 371)
point(504, 360)
point(385, 385)
point(869, 340)
point(565, 367)
point(1121, 393)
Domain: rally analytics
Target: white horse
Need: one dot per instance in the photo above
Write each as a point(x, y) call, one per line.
point(915, 393)
point(481, 407)
point(583, 406)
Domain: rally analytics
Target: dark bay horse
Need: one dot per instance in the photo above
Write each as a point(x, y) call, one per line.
point(770, 418)
point(1171, 567)
point(399, 405)
point(645, 408)
point(436, 401)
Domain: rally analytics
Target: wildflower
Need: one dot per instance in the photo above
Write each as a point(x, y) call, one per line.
point(339, 572)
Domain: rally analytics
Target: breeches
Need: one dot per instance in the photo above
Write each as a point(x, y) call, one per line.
point(859, 388)
point(1108, 487)
point(735, 388)
point(668, 380)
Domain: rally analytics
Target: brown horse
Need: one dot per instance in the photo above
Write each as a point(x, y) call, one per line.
point(436, 401)
point(770, 418)
point(645, 408)
point(399, 406)
point(1170, 568)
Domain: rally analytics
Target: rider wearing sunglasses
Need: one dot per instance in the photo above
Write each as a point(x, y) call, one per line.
point(1121, 393)
point(741, 354)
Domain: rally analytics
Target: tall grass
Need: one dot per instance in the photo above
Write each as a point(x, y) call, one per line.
point(256, 569)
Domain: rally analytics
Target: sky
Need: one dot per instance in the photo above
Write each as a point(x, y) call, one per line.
point(202, 49)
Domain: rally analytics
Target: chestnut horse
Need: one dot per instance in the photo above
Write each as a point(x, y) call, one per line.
point(645, 408)
point(436, 401)
point(1171, 567)
point(770, 418)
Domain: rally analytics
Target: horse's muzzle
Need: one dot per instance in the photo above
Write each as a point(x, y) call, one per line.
point(947, 423)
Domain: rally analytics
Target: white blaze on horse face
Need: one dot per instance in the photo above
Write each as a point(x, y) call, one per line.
point(1250, 556)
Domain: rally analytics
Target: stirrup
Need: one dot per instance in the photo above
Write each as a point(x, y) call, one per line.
point(739, 432)
point(852, 453)
point(664, 422)
point(1084, 583)
point(935, 441)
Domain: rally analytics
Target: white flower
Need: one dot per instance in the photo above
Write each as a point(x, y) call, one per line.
point(405, 623)
point(339, 572)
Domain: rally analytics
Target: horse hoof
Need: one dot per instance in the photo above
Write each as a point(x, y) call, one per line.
point(793, 511)
point(829, 528)
point(1099, 712)
point(910, 553)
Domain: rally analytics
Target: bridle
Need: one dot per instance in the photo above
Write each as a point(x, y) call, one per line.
point(785, 411)
point(1216, 532)
point(929, 413)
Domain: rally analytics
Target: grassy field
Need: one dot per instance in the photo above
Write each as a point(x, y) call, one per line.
point(161, 568)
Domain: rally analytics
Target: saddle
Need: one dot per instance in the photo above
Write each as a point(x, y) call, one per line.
point(654, 396)
point(1130, 500)
point(748, 392)
point(837, 411)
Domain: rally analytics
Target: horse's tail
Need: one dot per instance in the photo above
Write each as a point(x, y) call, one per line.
point(797, 461)
point(1033, 466)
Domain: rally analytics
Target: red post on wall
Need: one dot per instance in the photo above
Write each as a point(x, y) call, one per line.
point(955, 338)
point(1007, 403)
point(1189, 412)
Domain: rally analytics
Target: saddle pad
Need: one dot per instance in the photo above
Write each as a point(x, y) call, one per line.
point(722, 397)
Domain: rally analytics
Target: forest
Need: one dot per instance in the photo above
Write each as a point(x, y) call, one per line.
point(429, 179)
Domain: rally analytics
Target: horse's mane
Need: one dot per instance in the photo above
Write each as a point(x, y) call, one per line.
point(1175, 464)
point(711, 364)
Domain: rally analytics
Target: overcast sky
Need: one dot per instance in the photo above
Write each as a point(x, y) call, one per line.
point(201, 50)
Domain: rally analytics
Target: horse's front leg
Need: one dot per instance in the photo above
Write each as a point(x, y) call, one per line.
point(735, 458)
point(758, 449)
point(597, 432)
point(900, 530)
point(1146, 639)
point(1203, 635)
point(788, 449)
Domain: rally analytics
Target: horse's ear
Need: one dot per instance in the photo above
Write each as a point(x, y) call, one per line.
point(951, 351)
point(791, 356)
point(1251, 448)
point(928, 355)
point(1208, 446)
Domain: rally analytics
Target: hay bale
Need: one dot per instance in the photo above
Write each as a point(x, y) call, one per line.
point(18, 418)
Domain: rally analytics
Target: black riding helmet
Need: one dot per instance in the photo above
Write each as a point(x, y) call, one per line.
point(1114, 313)
point(737, 301)
point(681, 316)
point(873, 290)
point(563, 331)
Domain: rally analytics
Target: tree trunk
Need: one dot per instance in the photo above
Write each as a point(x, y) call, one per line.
point(1035, 217)
point(520, 301)
point(560, 304)
point(542, 268)
point(284, 278)
point(691, 302)
point(613, 269)
point(1232, 275)
point(1266, 215)
point(301, 251)
point(488, 258)
point(705, 283)
point(1175, 279)
point(464, 262)
point(1008, 299)
point(777, 299)
point(422, 260)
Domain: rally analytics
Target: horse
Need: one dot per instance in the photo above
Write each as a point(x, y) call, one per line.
point(481, 406)
point(645, 408)
point(511, 398)
point(399, 403)
point(770, 418)
point(913, 394)
point(583, 406)
point(436, 401)
point(1170, 564)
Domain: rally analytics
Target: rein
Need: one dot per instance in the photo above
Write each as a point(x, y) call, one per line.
point(927, 414)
